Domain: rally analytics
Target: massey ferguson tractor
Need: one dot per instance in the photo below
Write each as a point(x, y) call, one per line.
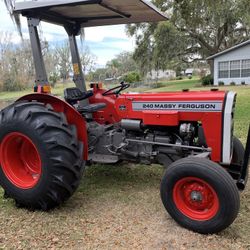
point(46, 141)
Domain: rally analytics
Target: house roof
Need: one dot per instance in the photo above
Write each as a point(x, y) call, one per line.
point(89, 13)
point(229, 50)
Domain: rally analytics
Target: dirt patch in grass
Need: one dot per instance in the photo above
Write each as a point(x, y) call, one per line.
point(115, 208)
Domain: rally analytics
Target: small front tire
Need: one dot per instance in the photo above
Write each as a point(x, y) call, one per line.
point(200, 195)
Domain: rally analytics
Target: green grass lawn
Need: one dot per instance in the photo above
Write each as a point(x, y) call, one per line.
point(58, 90)
point(180, 84)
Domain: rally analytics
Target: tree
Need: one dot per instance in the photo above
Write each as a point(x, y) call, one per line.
point(16, 68)
point(121, 64)
point(5, 44)
point(126, 62)
point(118, 67)
point(143, 53)
point(200, 28)
point(170, 47)
point(62, 53)
point(88, 60)
point(246, 6)
point(113, 68)
point(98, 75)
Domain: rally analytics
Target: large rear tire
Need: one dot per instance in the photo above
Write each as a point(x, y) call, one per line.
point(41, 157)
point(238, 155)
point(238, 151)
point(200, 195)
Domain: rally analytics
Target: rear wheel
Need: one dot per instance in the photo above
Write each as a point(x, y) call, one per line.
point(41, 157)
point(238, 154)
point(200, 195)
point(238, 151)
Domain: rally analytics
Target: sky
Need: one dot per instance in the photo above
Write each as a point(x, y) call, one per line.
point(104, 42)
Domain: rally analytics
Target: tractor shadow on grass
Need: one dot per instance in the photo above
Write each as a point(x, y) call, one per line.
point(100, 179)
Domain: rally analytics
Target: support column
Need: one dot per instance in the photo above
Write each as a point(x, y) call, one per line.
point(41, 75)
point(79, 80)
point(77, 66)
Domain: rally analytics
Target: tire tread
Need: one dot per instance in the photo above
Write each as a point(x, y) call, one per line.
point(60, 139)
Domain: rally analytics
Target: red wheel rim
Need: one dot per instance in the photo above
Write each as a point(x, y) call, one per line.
point(196, 199)
point(20, 160)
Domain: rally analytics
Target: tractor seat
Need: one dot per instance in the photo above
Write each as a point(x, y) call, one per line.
point(73, 95)
point(92, 108)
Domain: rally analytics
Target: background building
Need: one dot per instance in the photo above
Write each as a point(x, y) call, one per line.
point(161, 75)
point(232, 65)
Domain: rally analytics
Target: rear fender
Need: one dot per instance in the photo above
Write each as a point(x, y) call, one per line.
point(73, 117)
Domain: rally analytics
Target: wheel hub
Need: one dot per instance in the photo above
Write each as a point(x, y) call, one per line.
point(195, 198)
point(20, 160)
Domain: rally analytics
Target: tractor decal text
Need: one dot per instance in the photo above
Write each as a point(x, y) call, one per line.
point(212, 106)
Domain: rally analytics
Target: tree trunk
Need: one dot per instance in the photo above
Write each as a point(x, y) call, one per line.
point(211, 65)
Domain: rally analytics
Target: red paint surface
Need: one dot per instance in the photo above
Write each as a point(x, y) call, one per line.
point(211, 121)
point(202, 210)
point(20, 160)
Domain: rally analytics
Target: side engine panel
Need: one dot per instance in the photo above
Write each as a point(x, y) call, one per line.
point(171, 109)
point(133, 141)
point(212, 109)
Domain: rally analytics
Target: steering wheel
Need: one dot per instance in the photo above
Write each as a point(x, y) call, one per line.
point(117, 90)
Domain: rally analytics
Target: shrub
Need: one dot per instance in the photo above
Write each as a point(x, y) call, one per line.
point(158, 85)
point(202, 73)
point(190, 77)
point(53, 78)
point(232, 83)
point(132, 76)
point(12, 84)
point(221, 83)
point(243, 83)
point(179, 78)
point(178, 71)
point(207, 80)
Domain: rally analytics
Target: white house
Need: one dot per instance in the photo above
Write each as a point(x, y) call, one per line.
point(232, 65)
point(160, 74)
point(189, 72)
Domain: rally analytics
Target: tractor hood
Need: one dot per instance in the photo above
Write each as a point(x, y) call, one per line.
point(186, 101)
point(178, 96)
point(89, 13)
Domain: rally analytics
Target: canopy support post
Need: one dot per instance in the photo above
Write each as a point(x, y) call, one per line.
point(41, 75)
point(79, 80)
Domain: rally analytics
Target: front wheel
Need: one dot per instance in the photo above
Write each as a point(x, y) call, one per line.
point(200, 195)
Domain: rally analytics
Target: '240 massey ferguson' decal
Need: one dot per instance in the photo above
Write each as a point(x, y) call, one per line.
point(209, 106)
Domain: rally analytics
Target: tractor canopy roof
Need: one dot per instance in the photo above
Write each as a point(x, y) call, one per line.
point(89, 13)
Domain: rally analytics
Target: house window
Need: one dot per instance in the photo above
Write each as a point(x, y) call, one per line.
point(223, 69)
point(245, 68)
point(235, 69)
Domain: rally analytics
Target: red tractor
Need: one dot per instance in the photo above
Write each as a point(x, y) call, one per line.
point(46, 141)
